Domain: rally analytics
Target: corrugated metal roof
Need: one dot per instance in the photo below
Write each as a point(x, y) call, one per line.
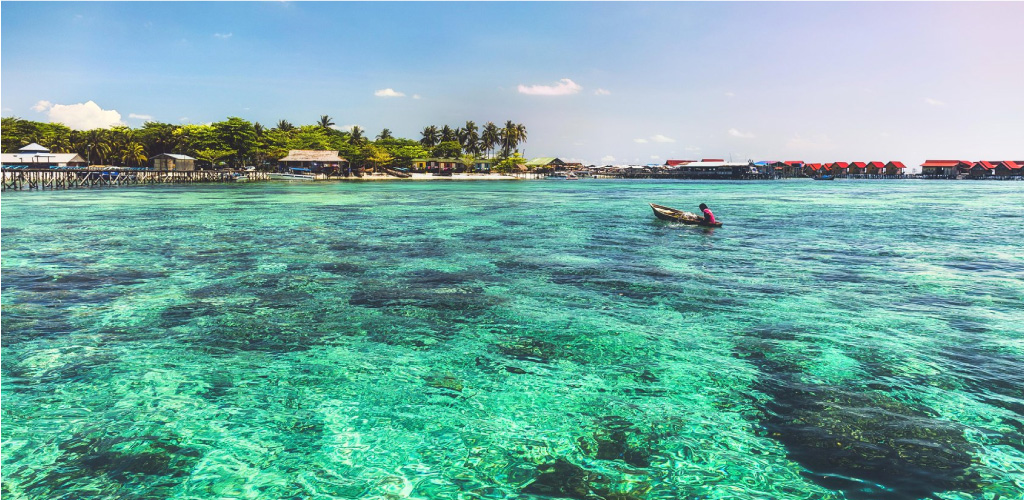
point(32, 148)
point(942, 163)
point(312, 155)
point(175, 156)
point(540, 161)
point(43, 159)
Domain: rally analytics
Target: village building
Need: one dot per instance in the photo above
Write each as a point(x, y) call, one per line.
point(436, 165)
point(857, 168)
point(874, 168)
point(812, 169)
point(895, 168)
point(176, 162)
point(36, 156)
point(545, 163)
point(982, 169)
point(944, 168)
point(310, 160)
point(1008, 168)
point(840, 168)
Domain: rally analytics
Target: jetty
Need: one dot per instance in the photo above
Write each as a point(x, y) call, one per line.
point(23, 179)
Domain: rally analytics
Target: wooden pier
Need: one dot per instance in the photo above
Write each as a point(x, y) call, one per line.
point(27, 179)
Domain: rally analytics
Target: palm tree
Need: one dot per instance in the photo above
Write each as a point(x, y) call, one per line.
point(447, 134)
point(326, 122)
point(384, 134)
point(98, 145)
point(285, 126)
point(470, 138)
point(430, 137)
point(509, 138)
point(133, 154)
point(520, 134)
point(356, 135)
point(490, 136)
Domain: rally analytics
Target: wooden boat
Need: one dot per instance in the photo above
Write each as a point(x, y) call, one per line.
point(671, 214)
point(825, 178)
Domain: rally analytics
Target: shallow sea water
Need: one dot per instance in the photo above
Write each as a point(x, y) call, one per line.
point(491, 340)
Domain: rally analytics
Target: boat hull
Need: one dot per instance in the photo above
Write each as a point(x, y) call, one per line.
point(673, 215)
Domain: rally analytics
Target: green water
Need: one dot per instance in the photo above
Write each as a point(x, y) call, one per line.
point(489, 340)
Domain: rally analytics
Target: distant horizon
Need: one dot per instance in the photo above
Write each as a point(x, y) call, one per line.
point(595, 83)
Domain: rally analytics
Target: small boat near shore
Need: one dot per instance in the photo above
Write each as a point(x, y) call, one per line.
point(825, 178)
point(294, 174)
point(673, 215)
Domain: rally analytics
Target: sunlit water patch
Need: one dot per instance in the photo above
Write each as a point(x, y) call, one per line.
point(857, 340)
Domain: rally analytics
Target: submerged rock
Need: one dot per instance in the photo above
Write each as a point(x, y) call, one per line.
point(848, 439)
point(618, 439)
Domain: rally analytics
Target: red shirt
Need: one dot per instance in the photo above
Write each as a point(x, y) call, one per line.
point(708, 216)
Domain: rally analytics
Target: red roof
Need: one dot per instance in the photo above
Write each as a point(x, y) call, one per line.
point(985, 164)
point(713, 159)
point(858, 164)
point(841, 164)
point(943, 163)
point(876, 164)
point(897, 164)
point(1010, 165)
point(673, 163)
point(814, 166)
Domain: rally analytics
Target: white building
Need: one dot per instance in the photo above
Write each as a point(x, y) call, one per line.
point(36, 156)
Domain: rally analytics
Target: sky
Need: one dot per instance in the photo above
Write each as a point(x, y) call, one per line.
point(595, 82)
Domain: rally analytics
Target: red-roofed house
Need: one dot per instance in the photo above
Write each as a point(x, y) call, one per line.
point(874, 168)
point(857, 168)
point(895, 168)
point(1009, 169)
point(812, 169)
point(840, 168)
point(712, 159)
point(983, 169)
point(944, 168)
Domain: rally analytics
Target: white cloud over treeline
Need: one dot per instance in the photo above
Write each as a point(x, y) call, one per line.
point(82, 116)
point(389, 92)
point(564, 86)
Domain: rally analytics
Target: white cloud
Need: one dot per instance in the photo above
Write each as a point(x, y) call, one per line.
point(800, 144)
point(42, 106)
point(607, 159)
point(602, 92)
point(743, 135)
point(222, 36)
point(183, 119)
point(140, 117)
point(564, 86)
point(85, 116)
point(655, 138)
point(933, 102)
point(347, 128)
point(388, 93)
point(416, 96)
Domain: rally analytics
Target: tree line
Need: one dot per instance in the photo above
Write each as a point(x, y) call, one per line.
point(236, 142)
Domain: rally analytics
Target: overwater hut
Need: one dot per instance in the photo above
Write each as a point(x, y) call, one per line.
point(857, 168)
point(895, 168)
point(176, 162)
point(545, 164)
point(840, 168)
point(874, 168)
point(944, 168)
point(1007, 169)
point(982, 169)
point(792, 168)
point(812, 169)
point(312, 160)
point(36, 156)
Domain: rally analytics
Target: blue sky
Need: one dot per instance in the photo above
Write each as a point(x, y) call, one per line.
point(598, 82)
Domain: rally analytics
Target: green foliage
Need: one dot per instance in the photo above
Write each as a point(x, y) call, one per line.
point(509, 164)
point(447, 149)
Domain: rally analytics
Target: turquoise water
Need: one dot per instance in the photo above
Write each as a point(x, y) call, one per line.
point(490, 340)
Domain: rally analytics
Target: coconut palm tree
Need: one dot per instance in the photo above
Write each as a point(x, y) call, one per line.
point(470, 138)
point(355, 136)
point(384, 134)
point(520, 134)
point(490, 137)
point(285, 126)
point(430, 137)
point(133, 154)
point(448, 134)
point(326, 122)
point(509, 138)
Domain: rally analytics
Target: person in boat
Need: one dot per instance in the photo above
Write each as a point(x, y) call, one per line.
point(708, 216)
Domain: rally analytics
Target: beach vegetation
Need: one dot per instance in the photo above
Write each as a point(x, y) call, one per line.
point(236, 142)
